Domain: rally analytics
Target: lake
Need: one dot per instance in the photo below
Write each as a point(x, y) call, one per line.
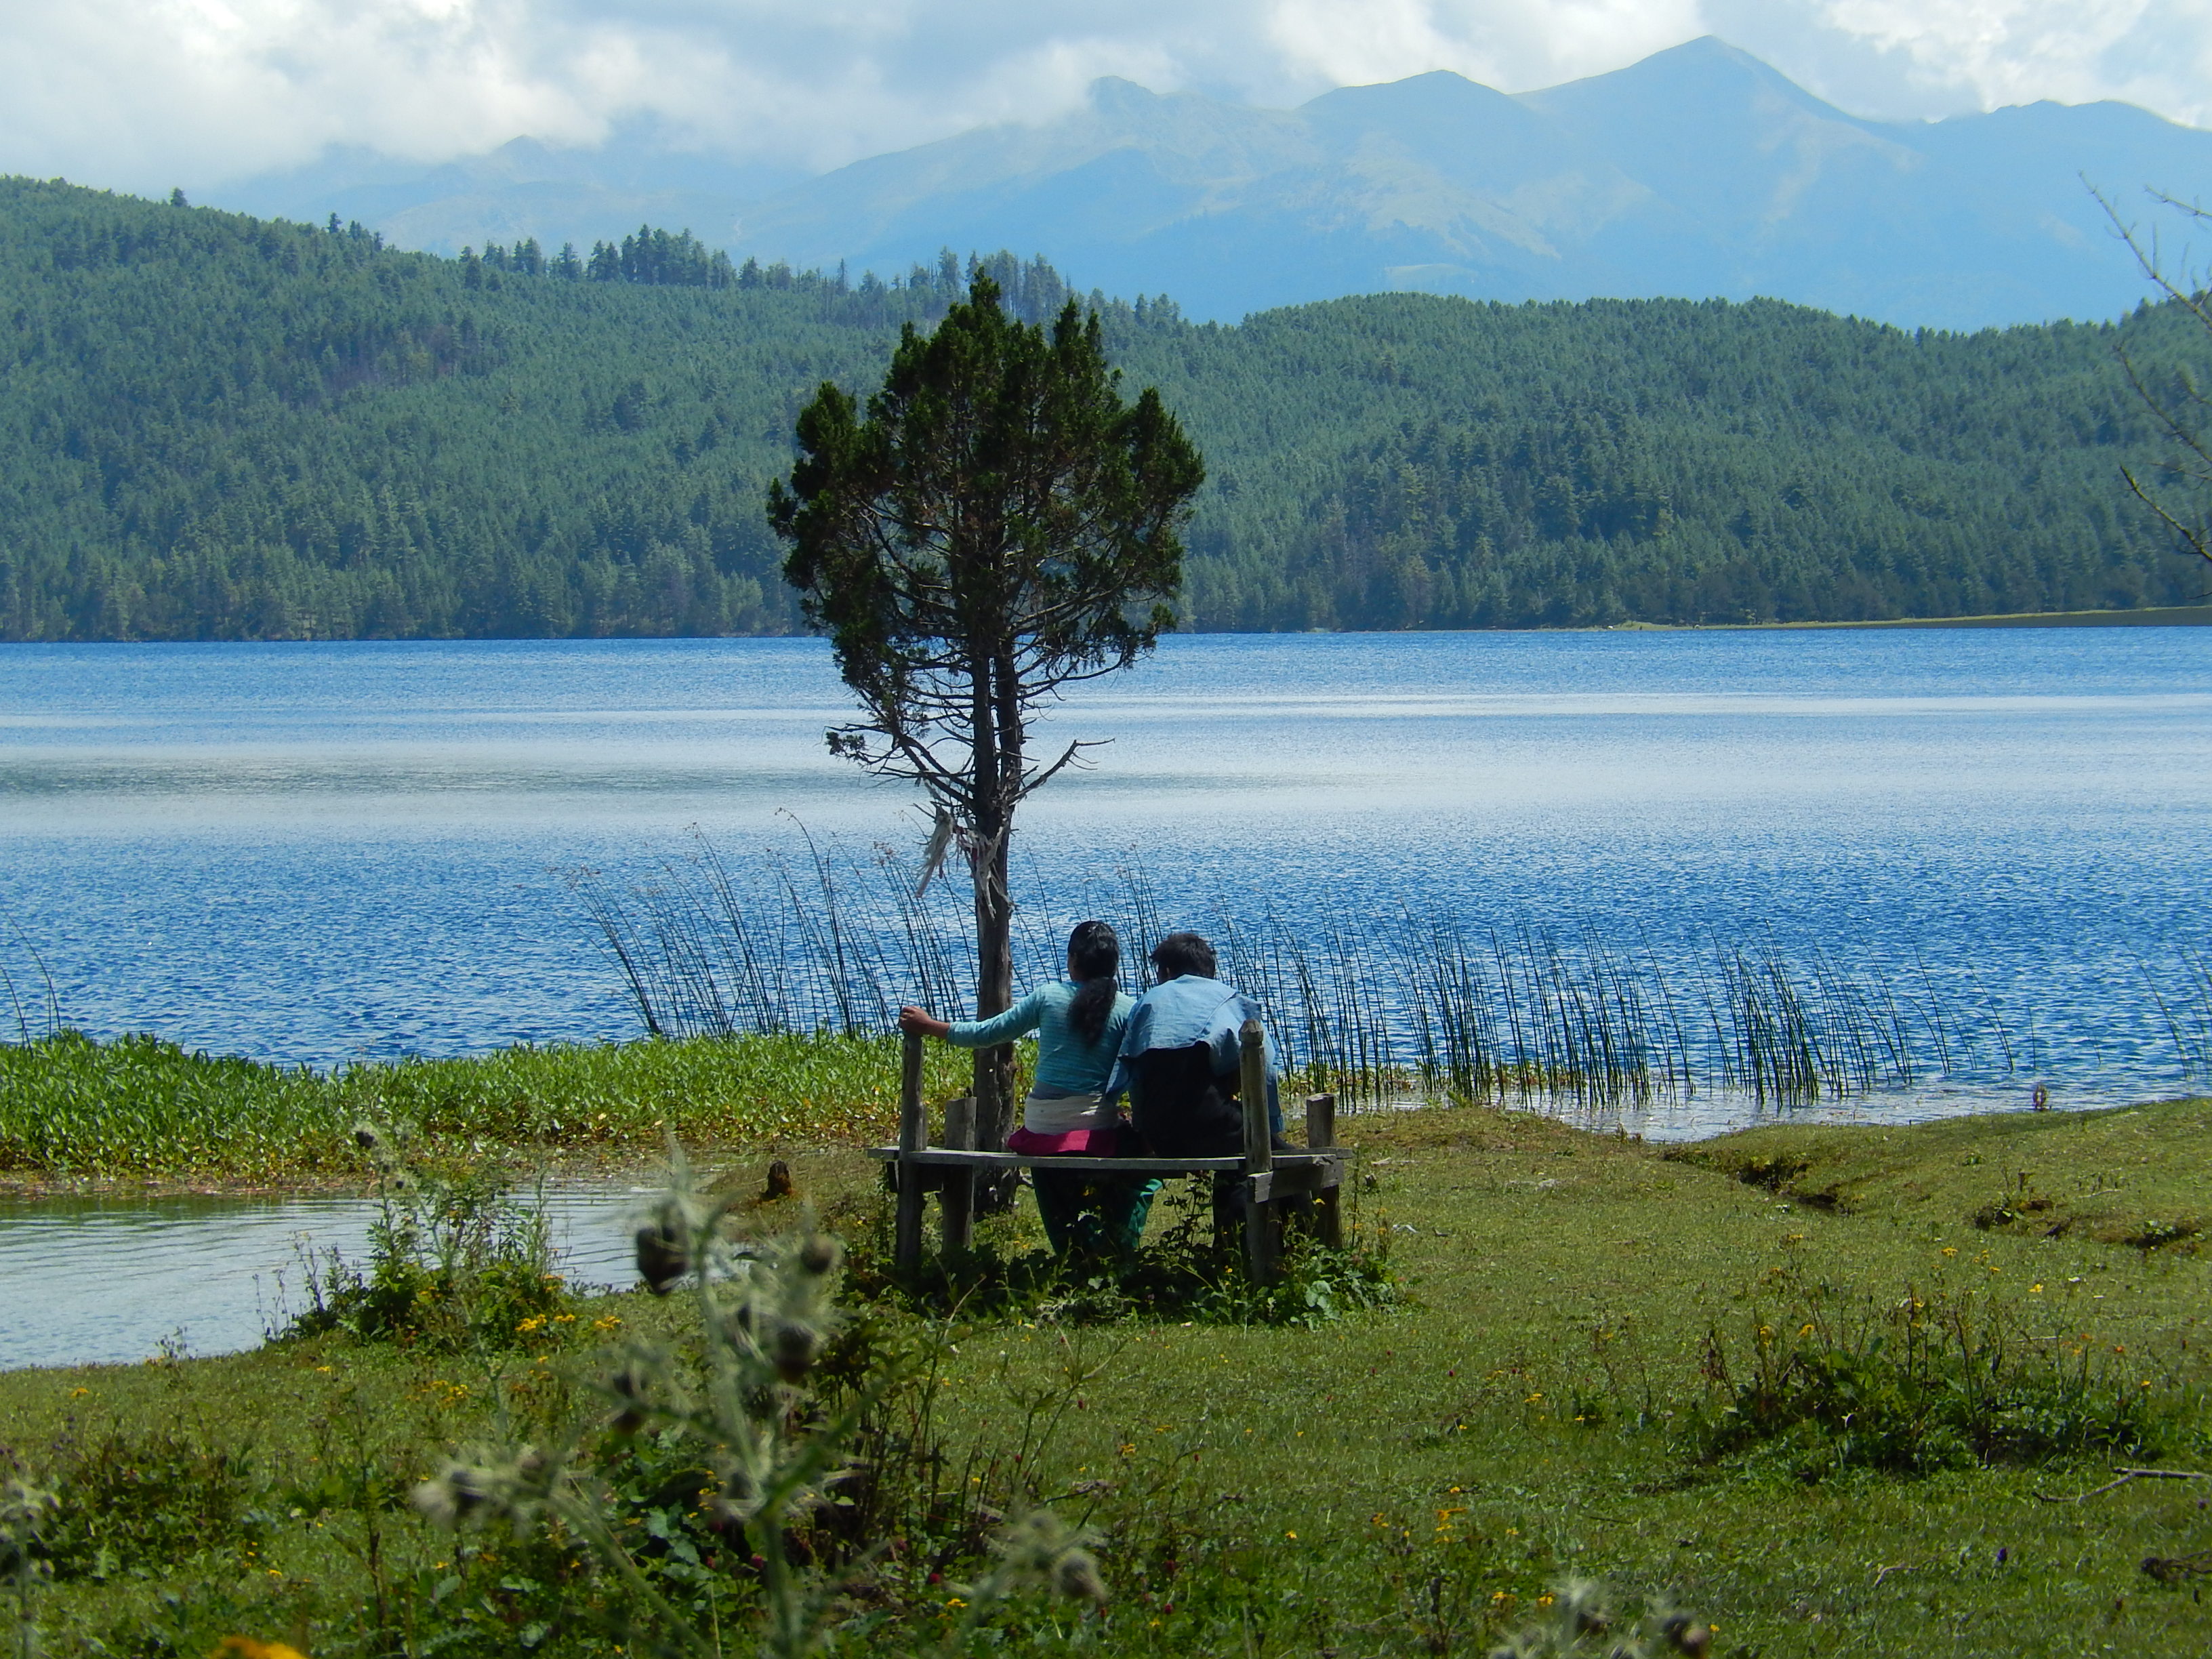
point(322, 852)
point(326, 852)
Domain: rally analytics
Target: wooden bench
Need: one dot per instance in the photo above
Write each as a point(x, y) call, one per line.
point(950, 1170)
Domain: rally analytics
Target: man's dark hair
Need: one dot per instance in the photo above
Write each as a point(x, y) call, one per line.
point(1183, 953)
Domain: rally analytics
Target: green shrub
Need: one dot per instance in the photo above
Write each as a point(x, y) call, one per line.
point(127, 1504)
point(454, 1263)
point(1944, 1380)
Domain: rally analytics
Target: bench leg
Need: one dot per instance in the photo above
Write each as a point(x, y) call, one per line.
point(1329, 1219)
point(957, 1200)
point(905, 1250)
point(1259, 1253)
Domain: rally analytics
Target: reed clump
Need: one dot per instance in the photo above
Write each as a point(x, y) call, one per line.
point(1372, 1008)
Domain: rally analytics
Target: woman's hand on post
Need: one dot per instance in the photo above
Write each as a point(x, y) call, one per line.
point(915, 1022)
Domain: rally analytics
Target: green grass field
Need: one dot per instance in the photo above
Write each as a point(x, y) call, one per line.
point(1552, 1400)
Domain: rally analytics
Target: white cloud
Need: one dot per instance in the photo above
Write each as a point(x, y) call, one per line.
point(140, 94)
point(1897, 57)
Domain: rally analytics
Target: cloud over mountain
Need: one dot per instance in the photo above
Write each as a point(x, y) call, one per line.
point(142, 96)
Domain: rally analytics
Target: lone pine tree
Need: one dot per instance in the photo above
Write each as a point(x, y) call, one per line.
point(998, 524)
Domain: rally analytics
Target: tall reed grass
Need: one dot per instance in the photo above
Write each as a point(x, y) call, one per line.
point(1419, 1003)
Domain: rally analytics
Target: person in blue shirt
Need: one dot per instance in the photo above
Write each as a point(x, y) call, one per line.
point(1079, 1022)
point(1181, 1055)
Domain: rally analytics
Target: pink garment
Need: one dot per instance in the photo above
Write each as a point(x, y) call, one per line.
point(1075, 1143)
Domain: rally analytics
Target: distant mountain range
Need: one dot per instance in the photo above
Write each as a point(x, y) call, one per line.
point(1700, 172)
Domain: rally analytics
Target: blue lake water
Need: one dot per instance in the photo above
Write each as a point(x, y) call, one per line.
point(321, 853)
point(325, 853)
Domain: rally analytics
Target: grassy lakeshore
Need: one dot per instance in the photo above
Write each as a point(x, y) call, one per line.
point(1569, 1390)
point(138, 1109)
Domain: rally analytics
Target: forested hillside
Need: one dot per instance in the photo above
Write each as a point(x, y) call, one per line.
point(216, 427)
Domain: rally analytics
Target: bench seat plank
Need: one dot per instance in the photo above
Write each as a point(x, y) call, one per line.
point(1085, 1165)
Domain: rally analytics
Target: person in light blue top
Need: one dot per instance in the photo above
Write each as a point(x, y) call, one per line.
point(1189, 1011)
point(1181, 1057)
point(1080, 1023)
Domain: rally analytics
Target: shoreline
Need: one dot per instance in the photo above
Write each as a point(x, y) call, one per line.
point(721, 1162)
point(2172, 616)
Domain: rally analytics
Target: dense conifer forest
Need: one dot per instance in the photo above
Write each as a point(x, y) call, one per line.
point(213, 426)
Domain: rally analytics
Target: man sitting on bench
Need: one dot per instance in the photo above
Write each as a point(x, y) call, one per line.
point(1179, 1063)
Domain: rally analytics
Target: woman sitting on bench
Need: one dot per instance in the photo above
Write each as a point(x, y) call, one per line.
point(1079, 1023)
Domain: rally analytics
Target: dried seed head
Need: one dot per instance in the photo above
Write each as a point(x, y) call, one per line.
point(502, 1486)
point(738, 1500)
point(1582, 1607)
point(627, 1385)
point(368, 1136)
point(1040, 1548)
point(795, 1349)
point(1076, 1574)
point(818, 1256)
point(455, 1496)
point(661, 1259)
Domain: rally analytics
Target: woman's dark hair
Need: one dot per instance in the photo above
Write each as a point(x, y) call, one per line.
point(1094, 956)
point(1183, 953)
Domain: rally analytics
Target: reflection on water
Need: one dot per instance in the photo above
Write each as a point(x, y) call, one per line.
point(107, 1279)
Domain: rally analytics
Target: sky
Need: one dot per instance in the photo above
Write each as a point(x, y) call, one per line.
point(144, 94)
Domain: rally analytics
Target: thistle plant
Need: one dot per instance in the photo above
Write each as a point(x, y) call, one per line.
point(24, 1508)
point(746, 1412)
point(1583, 1623)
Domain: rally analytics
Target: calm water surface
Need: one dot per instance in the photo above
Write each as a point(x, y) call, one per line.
point(321, 853)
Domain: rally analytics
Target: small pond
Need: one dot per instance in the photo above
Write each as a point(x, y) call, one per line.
point(90, 1280)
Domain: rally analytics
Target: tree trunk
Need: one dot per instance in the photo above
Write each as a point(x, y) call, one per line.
point(995, 995)
point(994, 920)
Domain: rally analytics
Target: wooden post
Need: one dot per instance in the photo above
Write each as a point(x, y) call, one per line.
point(1259, 1153)
point(956, 1199)
point(913, 1135)
point(1321, 1135)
